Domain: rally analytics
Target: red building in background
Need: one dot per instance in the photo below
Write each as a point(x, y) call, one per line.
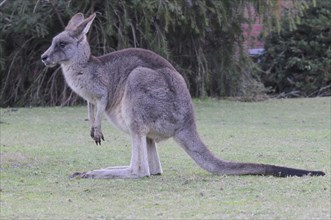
point(253, 41)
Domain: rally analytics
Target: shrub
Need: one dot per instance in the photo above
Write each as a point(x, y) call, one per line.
point(297, 61)
point(203, 39)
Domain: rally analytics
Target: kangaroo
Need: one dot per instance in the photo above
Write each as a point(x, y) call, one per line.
point(143, 95)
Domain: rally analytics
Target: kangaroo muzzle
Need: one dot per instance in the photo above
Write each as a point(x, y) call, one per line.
point(45, 59)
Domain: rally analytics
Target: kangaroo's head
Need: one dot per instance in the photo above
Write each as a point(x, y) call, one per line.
point(70, 45)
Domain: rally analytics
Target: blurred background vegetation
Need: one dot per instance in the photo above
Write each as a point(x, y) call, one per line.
point(297, 60)
point(203, 39)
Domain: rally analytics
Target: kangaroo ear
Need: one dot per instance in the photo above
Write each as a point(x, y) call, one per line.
point(84, 26)
point(74, 21)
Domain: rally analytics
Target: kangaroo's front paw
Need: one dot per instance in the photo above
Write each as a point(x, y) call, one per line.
point(97, 135)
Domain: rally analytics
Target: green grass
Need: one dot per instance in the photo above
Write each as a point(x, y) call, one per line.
point(41, 147)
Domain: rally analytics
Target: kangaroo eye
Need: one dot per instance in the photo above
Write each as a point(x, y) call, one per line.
point(62, 44)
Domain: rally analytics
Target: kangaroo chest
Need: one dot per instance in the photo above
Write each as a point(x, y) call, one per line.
point(84, 85)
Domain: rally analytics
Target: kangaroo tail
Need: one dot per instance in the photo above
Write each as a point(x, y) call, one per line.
point(197, 150)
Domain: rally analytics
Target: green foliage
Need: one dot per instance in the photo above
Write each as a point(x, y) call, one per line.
point(297, 61)
point(203, 39)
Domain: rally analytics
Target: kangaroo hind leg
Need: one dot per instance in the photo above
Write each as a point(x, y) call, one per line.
point(153, 158)
point(139, 166)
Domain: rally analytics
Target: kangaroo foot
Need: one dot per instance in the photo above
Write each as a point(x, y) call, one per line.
point(109, 173)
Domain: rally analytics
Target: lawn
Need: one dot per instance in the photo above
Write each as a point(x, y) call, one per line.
point(41, 147)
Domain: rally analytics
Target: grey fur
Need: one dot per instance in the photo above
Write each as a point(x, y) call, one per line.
point(143, 95)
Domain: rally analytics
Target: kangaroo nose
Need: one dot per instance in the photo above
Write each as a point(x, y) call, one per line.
point(44, 57)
